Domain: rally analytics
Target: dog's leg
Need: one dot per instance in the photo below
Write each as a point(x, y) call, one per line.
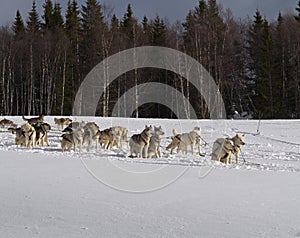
point(237, 157)
point(158, 152)
point(47, 140)
point(88, 145)
point(141, 152)
point(192, 148)
point(97, 146)
point(80, 144)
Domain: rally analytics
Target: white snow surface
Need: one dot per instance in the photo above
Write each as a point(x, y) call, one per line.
point(47, 193)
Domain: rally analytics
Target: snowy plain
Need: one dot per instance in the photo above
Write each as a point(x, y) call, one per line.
point(47, 193)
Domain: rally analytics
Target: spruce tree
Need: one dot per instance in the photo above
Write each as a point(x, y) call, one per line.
point(158, 32)
point(48, 14)
point(93, 28)
point(129, 28)
point(262, 67)
point(18, 26)
point(72, 26)
point(33, 23)
point(58, 21)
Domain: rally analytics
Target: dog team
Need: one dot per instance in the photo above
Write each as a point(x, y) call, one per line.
point(146, 144)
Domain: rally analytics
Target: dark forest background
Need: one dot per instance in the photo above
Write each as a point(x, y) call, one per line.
point(255, 62)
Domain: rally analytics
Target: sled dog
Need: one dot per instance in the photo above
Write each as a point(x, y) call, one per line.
point(72, 139)
point(120, 135)
point(6, 123)
point(20, 136)
point(42, 130)
point(30, 135)
point(238, 140)
point(61, 122)
point(106, 139)
point(139, 143)
point(67, 142)
point(76, 124)
point(182, 141)
point(222, 150)
point(91, 134)
point(154, 144)
point(34, 120)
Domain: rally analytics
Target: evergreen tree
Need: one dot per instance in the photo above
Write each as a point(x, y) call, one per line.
point(53, 19)
point(129, 28)
point(145, 24)
point(158, 32)
point(33, 23)
point(58, 21)
point(146, 31)
point(114, 23)
point(18, 26)
point(281, 63)
point(72, 29)
point(48, 14)
point(92, 33)
point(73, 22)
point(261, 51)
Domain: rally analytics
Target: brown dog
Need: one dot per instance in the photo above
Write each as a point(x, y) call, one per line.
point(182, 141)
point(6, 123)
point(106, 139)
point(238, 140)
point(34, 120)
point(42, 130)
point(61, 122)
point(30, 135)
point(20, 139)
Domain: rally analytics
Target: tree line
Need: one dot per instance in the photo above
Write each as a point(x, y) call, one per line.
point(255, 62)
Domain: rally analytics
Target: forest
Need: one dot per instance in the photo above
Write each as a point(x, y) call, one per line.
point(44, 57)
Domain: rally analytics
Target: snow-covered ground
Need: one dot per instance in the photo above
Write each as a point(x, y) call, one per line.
point(45, 193)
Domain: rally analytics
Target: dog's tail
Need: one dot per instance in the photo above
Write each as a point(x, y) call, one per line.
point(175, 133)
point(24, 118)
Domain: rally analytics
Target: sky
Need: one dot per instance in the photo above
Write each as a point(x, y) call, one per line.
point(171, 9)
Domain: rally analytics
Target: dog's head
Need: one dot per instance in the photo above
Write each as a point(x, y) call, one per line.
point(67, 121)
point(158, 131)
point(228, 145)
point(239, 139)
point(197, 130)
point(27, 127)
point(148, 130)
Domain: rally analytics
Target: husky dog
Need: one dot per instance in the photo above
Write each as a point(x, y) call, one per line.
point(20, 136)
point(139, 143)
point(6, 123)
point(154, 144)
point(67, 142)
point(61, 122)
point(42, 130)
point(34, 120)
point(222, 150)
point(91, 134)
point(120, 135)
point(30, 135)
point(72, 139)
point(182, 141)
point(106, 139)
point(238, 140)
point(75, 125)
